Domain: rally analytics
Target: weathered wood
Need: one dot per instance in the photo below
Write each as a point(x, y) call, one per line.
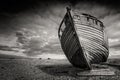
point(96, 72)
point(83, 39)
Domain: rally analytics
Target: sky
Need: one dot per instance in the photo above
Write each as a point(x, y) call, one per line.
point(42, 20)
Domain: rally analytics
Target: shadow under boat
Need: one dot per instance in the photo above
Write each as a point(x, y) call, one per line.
point(69, 70)
point(113, 62)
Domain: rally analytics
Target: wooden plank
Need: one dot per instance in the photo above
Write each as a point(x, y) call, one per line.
point(96, 72)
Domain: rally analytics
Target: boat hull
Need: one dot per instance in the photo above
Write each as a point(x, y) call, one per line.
point(83, 43)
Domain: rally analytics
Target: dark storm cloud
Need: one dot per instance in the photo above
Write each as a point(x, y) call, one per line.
point(15, 6)
point(10, 8)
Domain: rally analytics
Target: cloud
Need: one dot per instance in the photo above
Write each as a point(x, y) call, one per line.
point(113, 41)
point(114, 52)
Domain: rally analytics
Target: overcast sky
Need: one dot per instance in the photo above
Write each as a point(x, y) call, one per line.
point(43, 18)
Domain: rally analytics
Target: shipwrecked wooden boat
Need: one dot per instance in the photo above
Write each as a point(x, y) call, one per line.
point(83, 39)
